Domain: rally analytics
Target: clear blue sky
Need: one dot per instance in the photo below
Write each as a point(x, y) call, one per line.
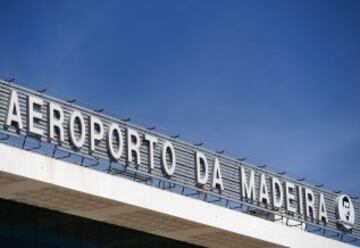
point(275, 81)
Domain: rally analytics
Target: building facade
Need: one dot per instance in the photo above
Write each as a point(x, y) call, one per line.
point(102, 181)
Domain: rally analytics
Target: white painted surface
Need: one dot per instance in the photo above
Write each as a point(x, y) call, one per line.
point(41, 168)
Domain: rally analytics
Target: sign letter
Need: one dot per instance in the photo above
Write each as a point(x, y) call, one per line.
point(56, 119)
point(114, 129)
point(201, 168)
point(168, 148)
point(34, 116)
point(216, 176)
point(133, 144)
point(14, 114)
point(76, 116)
point(248, 187)
point(152, 141)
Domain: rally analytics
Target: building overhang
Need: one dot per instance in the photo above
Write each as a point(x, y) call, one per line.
point(50, 183)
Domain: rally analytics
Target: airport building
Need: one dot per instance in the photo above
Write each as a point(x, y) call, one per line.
point(72, 176)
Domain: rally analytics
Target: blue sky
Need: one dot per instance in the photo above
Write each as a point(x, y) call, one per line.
point(275, 81)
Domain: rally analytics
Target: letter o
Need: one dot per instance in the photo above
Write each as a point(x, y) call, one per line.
point(115, 153)
point(77, 142)
point(169, 170)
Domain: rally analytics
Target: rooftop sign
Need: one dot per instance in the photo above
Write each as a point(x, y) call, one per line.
point(89, 133)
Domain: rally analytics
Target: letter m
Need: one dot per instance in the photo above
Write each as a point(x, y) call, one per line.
point(248, 186)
